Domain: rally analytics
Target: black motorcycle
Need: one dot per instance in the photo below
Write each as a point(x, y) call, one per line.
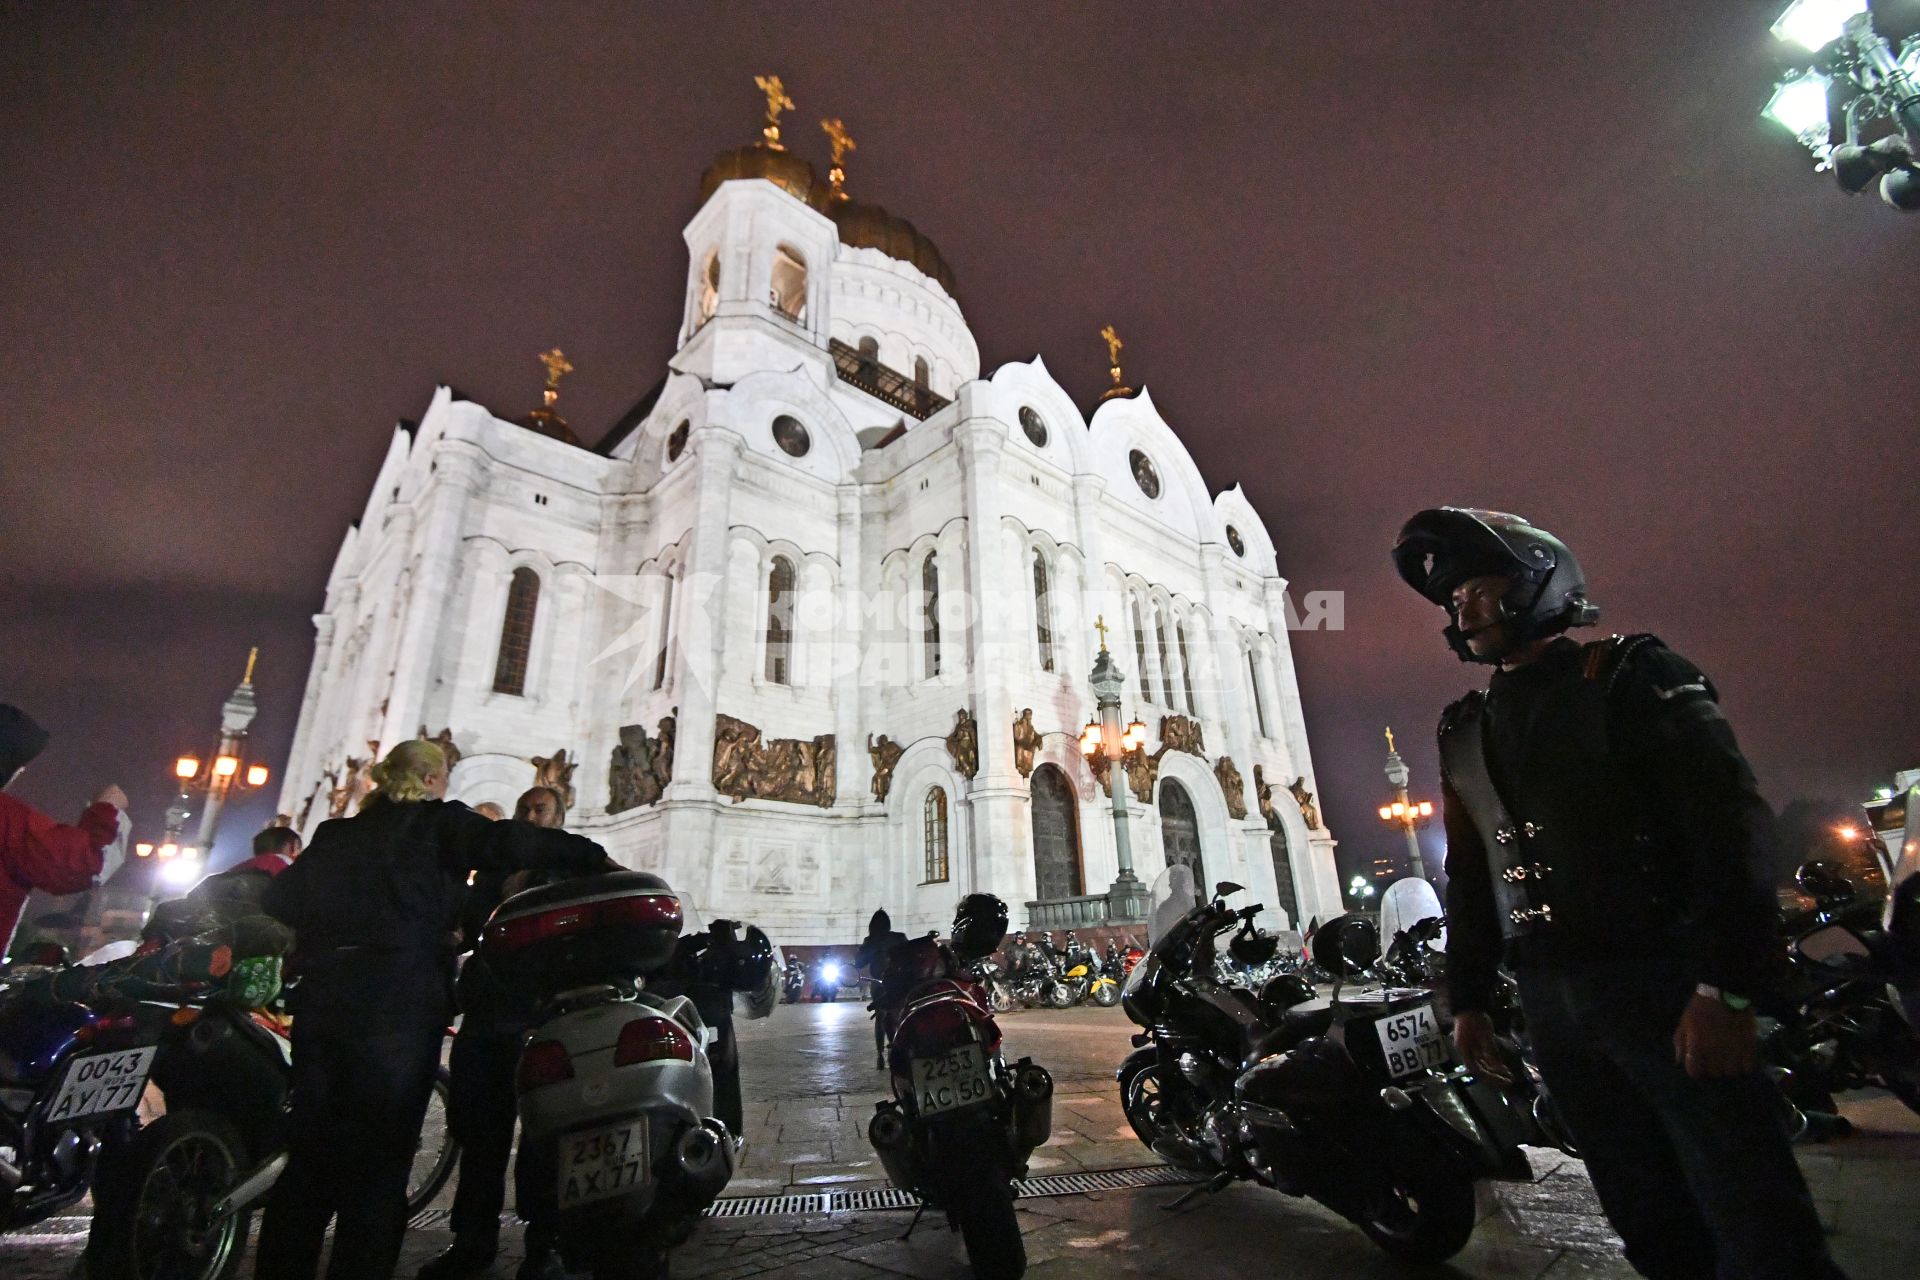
point(1353, 1101)
point(793, 981)
point(1837, 1022)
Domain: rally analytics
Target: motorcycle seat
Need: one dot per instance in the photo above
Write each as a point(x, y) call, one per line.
point(1296, 1024)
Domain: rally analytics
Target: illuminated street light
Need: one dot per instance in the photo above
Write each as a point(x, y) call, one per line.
point(1857, 72)
point(1104, 740)
point(1404, 812)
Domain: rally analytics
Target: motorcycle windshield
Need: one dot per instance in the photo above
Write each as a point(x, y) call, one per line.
point(1173, 895)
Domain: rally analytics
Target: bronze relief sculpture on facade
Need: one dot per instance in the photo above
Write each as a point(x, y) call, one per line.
point(1182, 733)
point(1304, 798)
point(1263, 796)
point(793, 770)
point(444, 741)
point(885, 753)
point(1232, 785)
point(964, 743)
point(640, 768)
point(556, 772)
point(1141, 769)
point(1026, 742)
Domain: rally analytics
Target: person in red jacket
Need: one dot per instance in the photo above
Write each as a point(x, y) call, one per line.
point(35, 851)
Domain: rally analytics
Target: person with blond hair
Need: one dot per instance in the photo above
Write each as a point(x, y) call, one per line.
point(373, 903)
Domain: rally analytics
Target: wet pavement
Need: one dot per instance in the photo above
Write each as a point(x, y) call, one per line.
point(810, 1083)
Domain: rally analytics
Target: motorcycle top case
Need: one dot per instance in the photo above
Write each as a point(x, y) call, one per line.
point(592, 929)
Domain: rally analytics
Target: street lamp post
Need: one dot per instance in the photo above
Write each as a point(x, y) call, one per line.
point(1104, 738)
point(1404, 812)
point(219, 777)
point(1853, 63)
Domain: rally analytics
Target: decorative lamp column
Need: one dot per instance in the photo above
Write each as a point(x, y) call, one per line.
point(1404, 812)
point(1106, 739)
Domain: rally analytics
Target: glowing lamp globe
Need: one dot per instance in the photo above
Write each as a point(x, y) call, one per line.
point(226, 766)
point(186, 767)
point(1799, 105)
point(1815, 24)
point(256, 775)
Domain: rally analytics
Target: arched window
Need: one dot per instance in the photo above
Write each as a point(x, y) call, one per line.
point(666, 633)
point(1042, 610)
point(1140, 651)
point(710, 287)
point(1166, 665)
point(780, 621)
point(935, 810)
point(516, 632)
point(1186, 665)
point(1253, 676)
point(789, 284)
point(930, 613)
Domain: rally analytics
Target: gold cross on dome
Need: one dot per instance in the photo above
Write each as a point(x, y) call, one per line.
point(1113, 350)
point(842, 142)
point(777, 101)
point(1390, 747)
point(1100, 625)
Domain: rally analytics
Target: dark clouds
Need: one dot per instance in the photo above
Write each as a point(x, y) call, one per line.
point(1369, 257)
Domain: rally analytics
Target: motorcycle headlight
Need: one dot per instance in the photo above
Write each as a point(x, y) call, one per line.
point(830, 971)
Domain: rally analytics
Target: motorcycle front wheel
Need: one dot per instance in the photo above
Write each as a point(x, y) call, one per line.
point(1000, 996)
point(1061, 996)
point(152, 1203)
point(1154, 1108)
point(435, 1152)
point(1106, 993)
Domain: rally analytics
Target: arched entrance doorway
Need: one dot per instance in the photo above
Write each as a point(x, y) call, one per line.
point(1289, 900)
point(1056, 836)
point(1180, 832)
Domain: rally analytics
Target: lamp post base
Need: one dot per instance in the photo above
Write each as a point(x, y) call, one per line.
point(1127, 899)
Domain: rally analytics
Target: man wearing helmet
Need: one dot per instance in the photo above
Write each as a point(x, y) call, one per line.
point(1606, 839)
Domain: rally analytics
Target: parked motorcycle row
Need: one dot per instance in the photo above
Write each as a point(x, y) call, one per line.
point(1043, 975)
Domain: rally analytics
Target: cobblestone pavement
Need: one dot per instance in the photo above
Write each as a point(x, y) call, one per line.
point(810, 1083)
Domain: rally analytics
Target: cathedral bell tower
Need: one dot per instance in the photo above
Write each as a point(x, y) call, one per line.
point(758, 256)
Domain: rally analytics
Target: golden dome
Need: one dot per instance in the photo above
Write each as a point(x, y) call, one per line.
point(868, 226)
point(782, 168)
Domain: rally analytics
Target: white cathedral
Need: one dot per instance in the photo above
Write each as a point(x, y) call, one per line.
point(808, 632)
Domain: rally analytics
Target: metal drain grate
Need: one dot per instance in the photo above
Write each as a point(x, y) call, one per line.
point(1079, 1184)
point(889, 1198)
point(858, 1201)
point(766, 1206)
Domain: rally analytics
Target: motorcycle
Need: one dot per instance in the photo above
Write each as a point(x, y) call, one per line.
point(961, 1124)
point(79, 1048)
point(1119, 961)
point(1352, 1100)
point(993, 981)
point(1838, 1022)
point(828, 976)
point(616, 1083)
point(793, 981)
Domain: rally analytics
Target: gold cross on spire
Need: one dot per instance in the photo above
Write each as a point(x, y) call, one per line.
point(1113, 362)
point(843, 142)
point(777, 101)
point(558, 367)
point(253, 656)
point(1390, 747)
point(1100, 625)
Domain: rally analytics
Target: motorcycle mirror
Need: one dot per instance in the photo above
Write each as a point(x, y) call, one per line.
point(1227, 887)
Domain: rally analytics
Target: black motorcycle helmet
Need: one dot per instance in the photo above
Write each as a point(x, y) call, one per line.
point(1282, 992)
point(1346, 943)
point(1442, 547)
point(979, 923)
point(1251, 948)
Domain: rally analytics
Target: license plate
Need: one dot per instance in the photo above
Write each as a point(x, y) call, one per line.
point(1412, 1041)
point(100, 1083)
point(603, 1163)
point(955, 1079)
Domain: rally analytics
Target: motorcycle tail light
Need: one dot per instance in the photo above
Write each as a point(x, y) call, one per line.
point(637, 909)
point(542, 1063)
point(652, 1040)
point(941, 1025)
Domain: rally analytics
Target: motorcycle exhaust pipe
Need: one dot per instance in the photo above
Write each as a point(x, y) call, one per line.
point(893, 1142)
point(1032, 1105)
point(705, 1159)
point(249, 1192)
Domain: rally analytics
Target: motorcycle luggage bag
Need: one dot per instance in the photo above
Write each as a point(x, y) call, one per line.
point(586, 930)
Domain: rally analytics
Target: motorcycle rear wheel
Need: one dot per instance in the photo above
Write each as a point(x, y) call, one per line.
point(151, 1203)
point(436, 1151)
point(1422, 1220)
point(1061, 996)
point(981, 1203)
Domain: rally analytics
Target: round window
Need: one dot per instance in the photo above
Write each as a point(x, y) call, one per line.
point(1143, 473)
point(1034, 425)
point(1233, 540)
point(677, 442)
point(791, 436)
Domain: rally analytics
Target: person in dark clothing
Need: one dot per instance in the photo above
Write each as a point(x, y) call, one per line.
point(482, 1105)
point(372, 903)
point(1607, 841)
point(871, 955)
point(274, 850)
point(35, 851)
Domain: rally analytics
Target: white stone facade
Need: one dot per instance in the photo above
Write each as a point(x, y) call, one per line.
point(633, 549)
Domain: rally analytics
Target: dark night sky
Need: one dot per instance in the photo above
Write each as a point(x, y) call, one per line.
point(1369, 257)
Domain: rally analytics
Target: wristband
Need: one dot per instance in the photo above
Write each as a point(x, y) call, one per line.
point(1739, 1004)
